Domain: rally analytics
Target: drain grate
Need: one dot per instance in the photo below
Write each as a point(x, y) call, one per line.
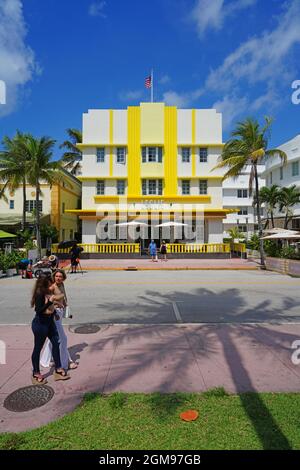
point(28, 398)
point(87, 329)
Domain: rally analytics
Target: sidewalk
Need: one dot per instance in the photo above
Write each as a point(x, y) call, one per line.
point(114, 264)
point(154, 358)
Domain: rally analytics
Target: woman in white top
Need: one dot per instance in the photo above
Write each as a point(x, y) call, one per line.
point(59, 276)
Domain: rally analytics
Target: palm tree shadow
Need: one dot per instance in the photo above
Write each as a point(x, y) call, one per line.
point(265, 426)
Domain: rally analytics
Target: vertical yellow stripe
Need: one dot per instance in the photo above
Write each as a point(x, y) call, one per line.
point(193, 142)
point(170, 155)
point(134, 151)
point(111, 140)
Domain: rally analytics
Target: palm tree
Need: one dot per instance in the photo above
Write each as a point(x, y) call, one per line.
point(288, 198)
point(270, 197)
point(40, 168)
point(235, 233)
point(2, 192)
point(13, 167)
point(248, 146)
point(72, 157)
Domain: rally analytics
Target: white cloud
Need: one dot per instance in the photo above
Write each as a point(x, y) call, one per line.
point(131, 95)
point(96, 9)
point(261, 63)
point(182, 100)
point(231, 107)
point(257, 75)
point(17, 60)
point(260, 58)
point(211, 14)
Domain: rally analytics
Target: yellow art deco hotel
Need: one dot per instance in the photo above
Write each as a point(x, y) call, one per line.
point(156, 157)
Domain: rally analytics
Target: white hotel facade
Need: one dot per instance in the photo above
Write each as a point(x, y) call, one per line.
point(159, 159)
point(285, 176)
point(236, 196)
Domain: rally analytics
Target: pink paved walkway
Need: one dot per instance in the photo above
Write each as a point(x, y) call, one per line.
point(171, 264)
point(164, 358)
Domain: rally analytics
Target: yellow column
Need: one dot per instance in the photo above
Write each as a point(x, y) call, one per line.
point(134, 151)
point(193, 142)
point(111, 140)
point(170, 154)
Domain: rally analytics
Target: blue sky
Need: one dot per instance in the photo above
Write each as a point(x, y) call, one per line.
point(59, 58)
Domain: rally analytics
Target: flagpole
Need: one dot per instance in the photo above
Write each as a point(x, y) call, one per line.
point(152, 85)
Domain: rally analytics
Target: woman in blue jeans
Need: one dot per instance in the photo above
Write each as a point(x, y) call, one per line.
point(43, 327)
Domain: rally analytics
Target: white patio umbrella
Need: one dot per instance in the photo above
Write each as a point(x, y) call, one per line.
point(132, 223)
point(172, 224)
point(282, 236)
point(278, 230)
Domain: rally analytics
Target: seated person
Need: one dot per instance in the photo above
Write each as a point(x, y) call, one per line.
point(53, 260)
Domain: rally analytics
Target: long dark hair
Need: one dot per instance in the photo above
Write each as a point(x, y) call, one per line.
point(41, 288)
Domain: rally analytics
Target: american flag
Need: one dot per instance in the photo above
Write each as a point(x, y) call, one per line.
point(148, 82)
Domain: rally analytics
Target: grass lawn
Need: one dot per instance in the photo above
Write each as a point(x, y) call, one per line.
point(138, 421)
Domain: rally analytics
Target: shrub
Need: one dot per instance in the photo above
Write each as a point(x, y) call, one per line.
point(271, 248)
point(289, 252)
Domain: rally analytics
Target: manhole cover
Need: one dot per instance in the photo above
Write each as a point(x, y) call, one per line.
point(28, 398)
point(87, 329)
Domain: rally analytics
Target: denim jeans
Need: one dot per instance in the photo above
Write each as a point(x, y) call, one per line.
point(43, 329)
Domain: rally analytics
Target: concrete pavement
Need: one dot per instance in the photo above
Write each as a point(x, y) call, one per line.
point(163, 331)
point(146, 264)
point(152, 358)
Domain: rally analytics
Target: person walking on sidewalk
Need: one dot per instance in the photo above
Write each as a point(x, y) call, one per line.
point(75, 253)
point(58, 289)
point(153, 250)
point(43, 327)
point(163, 251)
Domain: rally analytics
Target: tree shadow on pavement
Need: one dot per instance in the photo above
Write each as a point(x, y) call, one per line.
point(171, 350)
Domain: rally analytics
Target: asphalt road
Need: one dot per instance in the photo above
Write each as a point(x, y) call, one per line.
point(165, 297)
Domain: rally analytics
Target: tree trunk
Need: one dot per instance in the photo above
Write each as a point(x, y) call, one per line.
point(272, 219)
point(286, 221)
point(24, 205)
point(37, 219)
point(261, 243)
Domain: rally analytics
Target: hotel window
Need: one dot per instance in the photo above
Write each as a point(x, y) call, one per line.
point(271, 177)
point(203, 187)
point(120, 187)
point(63, 207)
point(203, 154)
point(31, 205)
point(121, 152)
point(186, 154)
point(243, 211)
point(242, 228)
point(100, 187)
point(71, 234)
point(186, 187)
point(11, 204)
point(100, 154)
point(295, 168)
point(152, 187)
point(242, 193)
point(151, 154)
point(281, 172)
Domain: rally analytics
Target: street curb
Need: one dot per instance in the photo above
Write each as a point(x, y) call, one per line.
point(102, 268)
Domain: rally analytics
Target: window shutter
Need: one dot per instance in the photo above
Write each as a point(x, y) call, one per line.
point(159, 154)
point(144, 154)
